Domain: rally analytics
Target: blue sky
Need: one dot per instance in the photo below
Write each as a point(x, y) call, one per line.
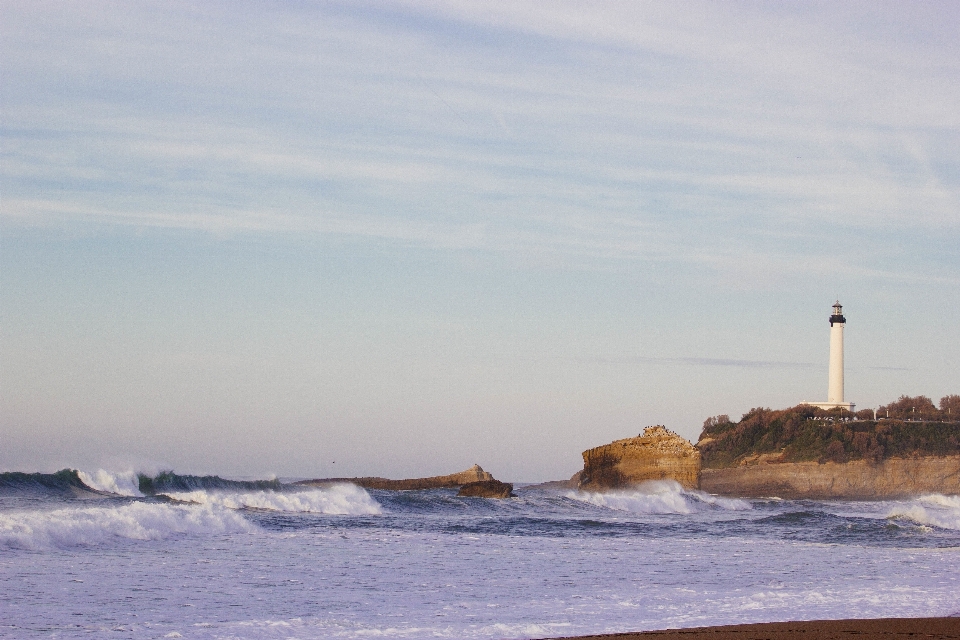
point(398, 238)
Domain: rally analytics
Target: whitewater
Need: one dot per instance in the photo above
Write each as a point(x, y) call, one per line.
point(87, 554)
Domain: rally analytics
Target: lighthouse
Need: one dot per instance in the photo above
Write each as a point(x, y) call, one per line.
point(835, 375)
point(835, 379)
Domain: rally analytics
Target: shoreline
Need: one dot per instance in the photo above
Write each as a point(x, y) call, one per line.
point(886, 628)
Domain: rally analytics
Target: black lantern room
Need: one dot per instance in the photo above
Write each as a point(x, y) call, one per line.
point(837, 314)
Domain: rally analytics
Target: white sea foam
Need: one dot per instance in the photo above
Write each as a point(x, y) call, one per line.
point(933, 510)
point(123, 484)
point(339, 628)
point(730, 504)
point(63, 528)
point(340, 499)
point(659, 497)
point(940, 500)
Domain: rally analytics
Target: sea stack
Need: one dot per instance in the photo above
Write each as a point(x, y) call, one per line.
point(656, 454)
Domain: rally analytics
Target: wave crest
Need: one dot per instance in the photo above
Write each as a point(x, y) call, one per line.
point(122, 484)
point(340, 499)
point(660, 497)
point(933, 509)
point(64, 482)
point(167, 481)
point(64, 528)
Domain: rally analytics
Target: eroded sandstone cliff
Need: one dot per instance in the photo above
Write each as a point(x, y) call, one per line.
point(855, 480)
point(656, 454)
point(473, 474)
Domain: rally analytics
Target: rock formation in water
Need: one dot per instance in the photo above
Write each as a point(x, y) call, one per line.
point(764, 476)
point(473, 474)
point(657, 454)
point(487, 489)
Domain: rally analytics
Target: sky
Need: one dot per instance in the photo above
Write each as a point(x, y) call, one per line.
point(328, 239)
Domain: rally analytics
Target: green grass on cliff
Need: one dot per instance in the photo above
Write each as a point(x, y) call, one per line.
point(805, 433)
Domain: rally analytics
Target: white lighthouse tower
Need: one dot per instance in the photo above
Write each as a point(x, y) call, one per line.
point(835, 377)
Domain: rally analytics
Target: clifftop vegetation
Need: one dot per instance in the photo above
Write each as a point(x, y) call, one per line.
point(916, 427)
point(922, 408)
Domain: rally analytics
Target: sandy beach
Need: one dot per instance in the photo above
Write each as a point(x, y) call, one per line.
point(886, 628)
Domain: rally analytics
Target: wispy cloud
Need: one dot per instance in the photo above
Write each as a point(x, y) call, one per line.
point(711, 362)
point(730, 362)
point(638, 131)
point(466, 201)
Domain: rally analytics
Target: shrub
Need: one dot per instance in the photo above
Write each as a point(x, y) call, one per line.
point(808, 433)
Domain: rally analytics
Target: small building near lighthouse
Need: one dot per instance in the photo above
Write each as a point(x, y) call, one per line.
point(835, 375)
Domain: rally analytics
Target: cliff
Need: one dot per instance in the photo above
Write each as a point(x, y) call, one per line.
point(806, 452)
point(473, 474)
point(657, 454)
point(855, 480)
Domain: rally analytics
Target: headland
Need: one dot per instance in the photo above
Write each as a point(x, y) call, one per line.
point(808, 452)
point(799, 452)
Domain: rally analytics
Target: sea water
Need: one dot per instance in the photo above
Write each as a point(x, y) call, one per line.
point(95, 558)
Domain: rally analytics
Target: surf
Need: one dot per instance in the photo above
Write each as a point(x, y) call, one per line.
point(660, 497)
point(932, 510)
point(137, 521)
point(339, 499)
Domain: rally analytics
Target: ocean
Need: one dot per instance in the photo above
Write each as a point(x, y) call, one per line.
point(86, 555)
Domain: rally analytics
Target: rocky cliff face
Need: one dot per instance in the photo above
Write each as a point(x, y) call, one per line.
point(473, 474)
point(657, 454)
point(856, 480)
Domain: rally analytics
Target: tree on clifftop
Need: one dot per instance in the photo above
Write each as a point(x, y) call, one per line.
point(907, 408)
point(712, 422)
point(950, 405)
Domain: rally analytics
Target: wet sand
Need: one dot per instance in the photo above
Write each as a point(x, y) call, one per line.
point(884, 628)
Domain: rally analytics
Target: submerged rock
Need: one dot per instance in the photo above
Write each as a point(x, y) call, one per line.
point(656, 454)
point(572, 483)
point(487, 489)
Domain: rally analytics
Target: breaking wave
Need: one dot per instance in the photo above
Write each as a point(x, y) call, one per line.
point(68, 482)
point(934, 510)
point(122, 484)
point(660, 497)
point(340, 499)
point(64, 528)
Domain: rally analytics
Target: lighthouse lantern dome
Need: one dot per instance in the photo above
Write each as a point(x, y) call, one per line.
point(837, 316)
